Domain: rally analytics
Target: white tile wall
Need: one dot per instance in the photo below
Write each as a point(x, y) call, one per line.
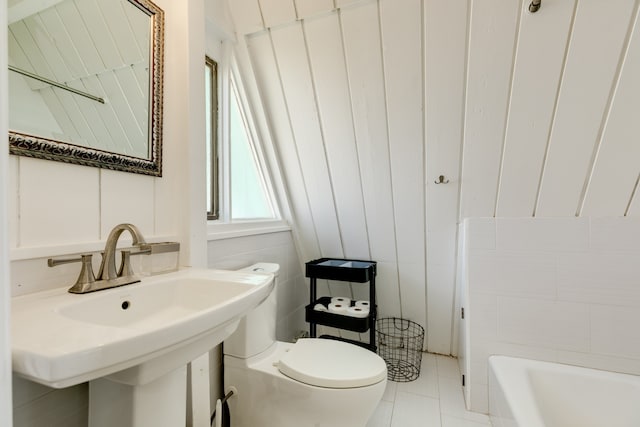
point(556, 289)
point(542, 234)
point(610, 327)
point(531, 274)
point(615, 234)
point(540, 323)
point(292, 285)
point(601, 277)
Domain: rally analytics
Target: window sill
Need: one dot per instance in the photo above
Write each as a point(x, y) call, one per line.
point(228, 230)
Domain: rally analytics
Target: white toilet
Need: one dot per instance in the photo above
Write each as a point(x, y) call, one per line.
point(315, 382)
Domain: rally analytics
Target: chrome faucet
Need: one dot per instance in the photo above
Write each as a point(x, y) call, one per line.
point(108, 266)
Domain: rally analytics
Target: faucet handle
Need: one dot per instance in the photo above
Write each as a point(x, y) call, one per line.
point(125, 265)
point(85, 279)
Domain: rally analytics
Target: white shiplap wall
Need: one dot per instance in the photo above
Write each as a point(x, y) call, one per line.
point(5, 290)
point(370, 101)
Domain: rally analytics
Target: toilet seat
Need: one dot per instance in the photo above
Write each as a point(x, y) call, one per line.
point(332, 364)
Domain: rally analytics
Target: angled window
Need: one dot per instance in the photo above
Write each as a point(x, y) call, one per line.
point(249, 195)
point(236, 186)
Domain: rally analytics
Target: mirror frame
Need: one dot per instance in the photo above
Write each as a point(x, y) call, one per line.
point(23, 144)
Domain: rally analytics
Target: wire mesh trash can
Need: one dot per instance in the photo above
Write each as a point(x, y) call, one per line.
point(400, 344)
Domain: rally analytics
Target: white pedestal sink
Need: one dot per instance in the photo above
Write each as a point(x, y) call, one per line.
point(133, 342)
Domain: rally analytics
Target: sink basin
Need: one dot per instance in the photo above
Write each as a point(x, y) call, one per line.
point(131, 334)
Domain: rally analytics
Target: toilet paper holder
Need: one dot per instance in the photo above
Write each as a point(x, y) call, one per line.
point(218, 409)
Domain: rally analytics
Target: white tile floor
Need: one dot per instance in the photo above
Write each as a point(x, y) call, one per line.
point(433, 400)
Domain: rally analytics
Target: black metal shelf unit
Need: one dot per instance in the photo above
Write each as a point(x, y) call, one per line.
point(344, 270)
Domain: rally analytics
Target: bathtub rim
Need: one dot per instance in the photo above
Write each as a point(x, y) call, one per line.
point(513, 371)
point(510, 374)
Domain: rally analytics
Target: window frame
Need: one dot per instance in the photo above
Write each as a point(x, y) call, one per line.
point(213, 208)
point(225, 227)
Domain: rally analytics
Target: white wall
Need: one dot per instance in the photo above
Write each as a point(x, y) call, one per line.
point(556, 289)
point(370, 101)
point(279, 248)
point(5, 346)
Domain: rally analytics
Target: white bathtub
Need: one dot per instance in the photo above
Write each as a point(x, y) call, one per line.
point(529, 393)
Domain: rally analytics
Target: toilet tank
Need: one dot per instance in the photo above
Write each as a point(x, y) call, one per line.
point(257, 330)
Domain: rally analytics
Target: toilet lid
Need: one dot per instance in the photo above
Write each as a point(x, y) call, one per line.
point(333, 364)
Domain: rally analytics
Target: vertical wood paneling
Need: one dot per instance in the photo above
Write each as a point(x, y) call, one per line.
point(105, 46)
point(594, 53)
point(76, 115)
point(72, 221)
point(116, 95)
point(101, 135)
point(37, 62)
point(123, 36)
point(57, 204)
point(291, 56)
point(78, 33)
point(308, 8)
point(60, 114)
point(360, 27)
point(277, 12)
point(13, 197)
point(48, 49)
point(343, 3)
point(328, 66)
point(616, 169)
point(444, 106)
point(108, 114)
point(402, 58)
point(6, 195)
point(268, 80)
point(499, 91)
point(139, 25)
point(56, 30)
point(18, 58)
point(330, 76)
point(491, 43)
point(137, 102)
point(138, 199)
point(634, 204)
point(542, 40)
point(246, 16)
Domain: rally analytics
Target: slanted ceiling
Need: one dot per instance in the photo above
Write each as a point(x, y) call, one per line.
point(369, 102)
point(94, 46)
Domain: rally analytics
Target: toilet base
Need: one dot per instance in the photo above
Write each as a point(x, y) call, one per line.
point(267, 398)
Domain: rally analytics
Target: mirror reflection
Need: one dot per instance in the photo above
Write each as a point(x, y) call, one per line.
point(85, 76)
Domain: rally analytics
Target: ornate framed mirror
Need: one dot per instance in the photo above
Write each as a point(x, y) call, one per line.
point(86, 82)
